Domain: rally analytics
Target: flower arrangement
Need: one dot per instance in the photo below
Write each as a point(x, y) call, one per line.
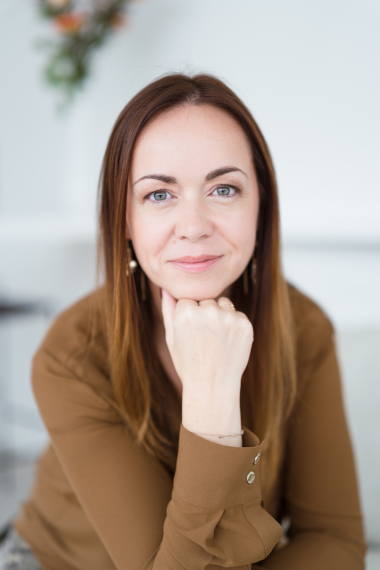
point(81, 27)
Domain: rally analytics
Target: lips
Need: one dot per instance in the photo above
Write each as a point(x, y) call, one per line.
point(197, 259)
point(195, 264)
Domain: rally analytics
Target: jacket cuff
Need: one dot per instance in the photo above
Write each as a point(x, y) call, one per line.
point(215, 476)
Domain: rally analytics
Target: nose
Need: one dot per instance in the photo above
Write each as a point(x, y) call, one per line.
point(193, 221)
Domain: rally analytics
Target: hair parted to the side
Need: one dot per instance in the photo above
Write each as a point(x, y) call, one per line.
point(142, 391)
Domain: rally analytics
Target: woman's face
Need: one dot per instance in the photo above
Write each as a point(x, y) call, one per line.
point(192, 202)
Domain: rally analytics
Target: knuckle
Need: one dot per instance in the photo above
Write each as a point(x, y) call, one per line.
point(246, 327)
point(183, 315)
point(229, 318)
point(188, 313)
point(211, 311)
point(188, 310)
point(181, 305)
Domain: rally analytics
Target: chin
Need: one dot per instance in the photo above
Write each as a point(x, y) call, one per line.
point(196, 291)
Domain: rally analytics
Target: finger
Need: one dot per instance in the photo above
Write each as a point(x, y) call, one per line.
point(226, 304)
point(168, 306)
point(186, 303)
point(208, 303)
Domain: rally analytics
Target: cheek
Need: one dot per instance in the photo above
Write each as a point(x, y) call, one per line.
point(149, 238)
point(240, 232)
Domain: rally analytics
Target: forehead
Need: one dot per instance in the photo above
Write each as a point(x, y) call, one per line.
point(201, 134)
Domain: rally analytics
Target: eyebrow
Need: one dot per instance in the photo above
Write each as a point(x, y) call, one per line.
point(210, 176)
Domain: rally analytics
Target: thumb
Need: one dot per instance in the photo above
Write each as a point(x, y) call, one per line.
point(168, 306)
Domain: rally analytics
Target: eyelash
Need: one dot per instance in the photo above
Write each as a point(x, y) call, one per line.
point(237, 190)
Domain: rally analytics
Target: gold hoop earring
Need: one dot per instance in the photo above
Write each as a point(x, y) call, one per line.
point(130, 267)
point(130, 264)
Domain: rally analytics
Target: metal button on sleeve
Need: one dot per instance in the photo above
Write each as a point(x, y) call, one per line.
point(257, 459)
point(251, 477)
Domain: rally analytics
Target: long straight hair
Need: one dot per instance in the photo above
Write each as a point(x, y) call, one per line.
point(144, 395)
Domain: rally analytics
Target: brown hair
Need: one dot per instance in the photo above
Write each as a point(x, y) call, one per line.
point(142, 391)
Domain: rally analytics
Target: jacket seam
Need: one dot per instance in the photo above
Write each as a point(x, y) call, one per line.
point(175, 558)
point(256, 530)
point(155, 555)
point(58, 361)
point(212, 508)
point(77, 378)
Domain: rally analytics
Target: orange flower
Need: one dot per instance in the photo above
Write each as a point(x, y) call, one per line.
point(69, 23)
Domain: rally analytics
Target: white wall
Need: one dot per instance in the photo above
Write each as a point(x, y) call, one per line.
point(308, 71)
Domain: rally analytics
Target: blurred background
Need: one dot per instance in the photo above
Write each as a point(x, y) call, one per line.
point(309, 72)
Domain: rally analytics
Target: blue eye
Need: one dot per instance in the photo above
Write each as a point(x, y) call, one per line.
point(226, 191)
point(223, 191)
point(159, 195)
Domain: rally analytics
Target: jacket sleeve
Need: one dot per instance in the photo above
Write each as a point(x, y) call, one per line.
point(208, 517)
point(320, 491)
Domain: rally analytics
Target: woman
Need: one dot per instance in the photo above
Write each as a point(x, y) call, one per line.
point(176, 440)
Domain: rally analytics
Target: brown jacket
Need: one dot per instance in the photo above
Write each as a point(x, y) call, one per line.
point(100, 502)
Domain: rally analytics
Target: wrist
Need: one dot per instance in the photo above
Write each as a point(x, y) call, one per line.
point(216, 414)
point(211, 397)
point(234, 441)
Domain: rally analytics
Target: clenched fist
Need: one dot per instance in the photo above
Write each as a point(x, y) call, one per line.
point(209, 343)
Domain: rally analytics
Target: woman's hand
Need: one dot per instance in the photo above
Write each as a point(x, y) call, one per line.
point(209, 344)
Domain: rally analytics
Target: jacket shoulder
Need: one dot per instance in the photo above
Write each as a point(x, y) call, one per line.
point(313, 328)
point(78, 333)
